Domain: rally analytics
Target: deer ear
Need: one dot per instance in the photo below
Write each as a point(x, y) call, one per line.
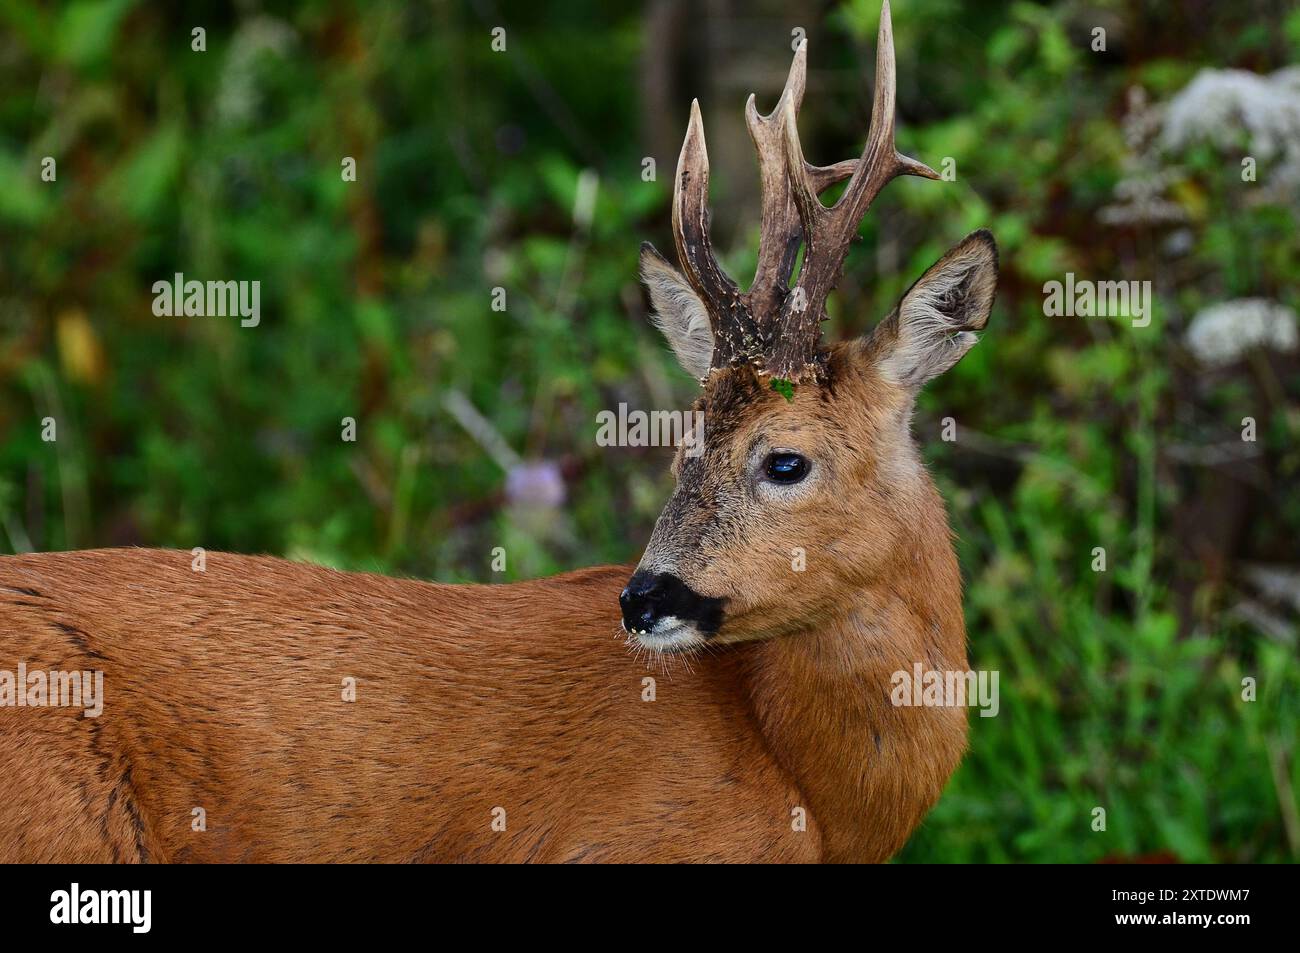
point(678, 312)
point(935, 323)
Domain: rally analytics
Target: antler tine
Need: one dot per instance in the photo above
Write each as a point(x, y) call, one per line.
point(781, 229)
point(830, 230)
point(881, 160)
point(728, 314)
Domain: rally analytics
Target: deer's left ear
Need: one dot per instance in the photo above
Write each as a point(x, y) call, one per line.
point(935, 323)
point(678, 313)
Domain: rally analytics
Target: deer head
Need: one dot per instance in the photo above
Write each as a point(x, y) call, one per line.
point(825, 472)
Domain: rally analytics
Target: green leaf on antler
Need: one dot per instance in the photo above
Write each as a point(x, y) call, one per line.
point(784, 387)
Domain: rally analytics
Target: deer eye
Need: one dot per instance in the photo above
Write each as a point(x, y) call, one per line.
point(785, 467)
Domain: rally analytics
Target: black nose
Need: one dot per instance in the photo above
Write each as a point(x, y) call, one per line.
point(642, 601)
point(652, 596)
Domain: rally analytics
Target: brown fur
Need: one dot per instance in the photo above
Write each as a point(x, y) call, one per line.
point(881, 589)
point(223, 688)
point(223, 691)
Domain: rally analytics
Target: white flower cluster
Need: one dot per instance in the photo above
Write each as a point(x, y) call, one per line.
point(1221, 333)
point(1218, 105)
point(1139, 194)
point(238, 97)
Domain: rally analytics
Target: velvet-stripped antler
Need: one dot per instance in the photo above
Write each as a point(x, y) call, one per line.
point(829, 231)
point(781, 231)
point(771, 326)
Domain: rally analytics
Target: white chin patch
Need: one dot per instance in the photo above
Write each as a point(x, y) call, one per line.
point(670, 634)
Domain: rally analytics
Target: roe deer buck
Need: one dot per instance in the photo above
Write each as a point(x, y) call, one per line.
point(506, 723)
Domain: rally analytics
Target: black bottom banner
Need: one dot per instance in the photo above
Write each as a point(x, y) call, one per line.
point(139, 904)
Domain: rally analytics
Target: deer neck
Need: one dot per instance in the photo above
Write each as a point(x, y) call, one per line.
point(868, 768)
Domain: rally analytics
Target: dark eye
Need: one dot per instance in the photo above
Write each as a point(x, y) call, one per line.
point(785, 467)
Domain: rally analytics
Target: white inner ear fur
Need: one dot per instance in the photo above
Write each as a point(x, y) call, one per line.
point(678, 313)
point(936, 321)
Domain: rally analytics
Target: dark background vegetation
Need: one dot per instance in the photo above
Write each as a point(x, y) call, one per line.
point(1120, 689)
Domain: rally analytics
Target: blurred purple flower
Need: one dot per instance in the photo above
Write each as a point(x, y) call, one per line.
point(535, 483)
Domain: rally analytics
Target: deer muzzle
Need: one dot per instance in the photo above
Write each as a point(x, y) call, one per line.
point(660, 604)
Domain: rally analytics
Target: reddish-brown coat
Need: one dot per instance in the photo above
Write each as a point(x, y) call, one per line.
point(223, 691)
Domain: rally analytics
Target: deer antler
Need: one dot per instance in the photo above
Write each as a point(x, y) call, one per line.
point(830, 230)
point(771, 326)
point(734, 333)
point(780, 230)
